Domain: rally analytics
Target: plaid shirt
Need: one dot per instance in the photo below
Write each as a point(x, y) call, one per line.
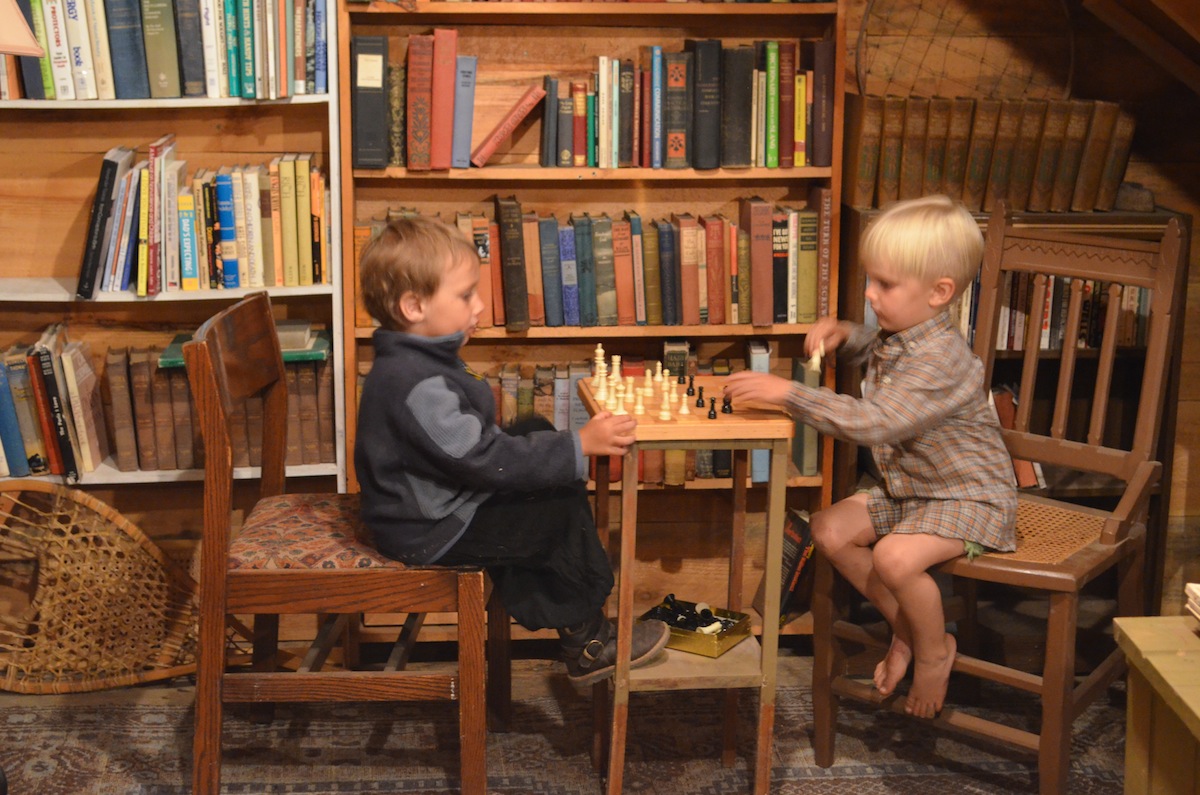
point(934, 436)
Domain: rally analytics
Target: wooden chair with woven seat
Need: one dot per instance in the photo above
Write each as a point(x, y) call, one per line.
point(309, 554)
point(1061, 546)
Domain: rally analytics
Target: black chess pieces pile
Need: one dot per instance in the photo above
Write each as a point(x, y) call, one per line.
point(691, 617)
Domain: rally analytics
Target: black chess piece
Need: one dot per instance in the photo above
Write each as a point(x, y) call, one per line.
point(691, 390)
point(712, 408)
point(700, 398)
point(727, 406)
point(682, 379)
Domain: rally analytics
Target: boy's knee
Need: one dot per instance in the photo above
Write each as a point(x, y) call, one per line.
point(824, 534)
point(891, 564)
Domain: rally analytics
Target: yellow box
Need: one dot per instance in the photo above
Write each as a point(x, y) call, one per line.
point(708, 645)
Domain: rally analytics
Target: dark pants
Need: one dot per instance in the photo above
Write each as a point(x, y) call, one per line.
point(540, 549)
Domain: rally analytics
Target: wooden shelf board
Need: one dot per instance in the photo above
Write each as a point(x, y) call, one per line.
point(794, 480)
point(61, 289)
point(536, 173)
point(143, 104)
point(572, 333)
point(106, 474)
point(740, 666)
point(580, 11)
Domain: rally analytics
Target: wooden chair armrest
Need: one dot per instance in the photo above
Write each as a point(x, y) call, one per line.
point(1133, 506)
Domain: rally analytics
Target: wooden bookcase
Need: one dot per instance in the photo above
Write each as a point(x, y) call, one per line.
point(517, 43)
point(50, 156)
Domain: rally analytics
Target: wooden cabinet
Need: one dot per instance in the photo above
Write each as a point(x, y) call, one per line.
point(50, 156)
point(517, 44)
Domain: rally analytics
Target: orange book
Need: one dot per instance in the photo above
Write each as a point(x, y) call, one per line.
point(715, 253)
point(419, 102)
point(533, 269)
point(756, 222)
point(500, 133)
point(622, 243)
point(1006, 412)
point(441, 126)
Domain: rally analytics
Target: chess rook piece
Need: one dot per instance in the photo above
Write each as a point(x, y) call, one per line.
point(727, 406)
point(691, 390)
point(712, 408)
point(699, 398)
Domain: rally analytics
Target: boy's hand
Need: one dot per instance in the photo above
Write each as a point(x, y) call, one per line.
point(747, 385)
point(829, 330)
point(607, 434)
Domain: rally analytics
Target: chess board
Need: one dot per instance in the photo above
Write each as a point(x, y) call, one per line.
point(746, 422)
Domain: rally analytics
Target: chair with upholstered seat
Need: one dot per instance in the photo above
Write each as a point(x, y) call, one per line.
point(1061, 546)
point(309, 554)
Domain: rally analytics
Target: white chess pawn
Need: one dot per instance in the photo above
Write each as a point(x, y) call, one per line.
point(658, 370)
point(683, 406)
point(639, 405)
point(648, 384)
point(664, 408)
point(666, 375)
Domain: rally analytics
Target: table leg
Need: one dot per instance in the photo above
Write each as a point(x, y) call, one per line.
point(620, 700)
point(776, 489)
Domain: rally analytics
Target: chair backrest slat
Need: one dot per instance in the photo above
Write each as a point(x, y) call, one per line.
point(1066, 372)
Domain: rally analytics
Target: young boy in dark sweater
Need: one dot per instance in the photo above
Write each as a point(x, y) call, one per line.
point(442, 483)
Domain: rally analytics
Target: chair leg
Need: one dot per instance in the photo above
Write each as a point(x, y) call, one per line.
point(825, 703)
point(206, 741)
point(1131, 593)
point(1058, 684)
point(472, 682)
point(967, 631)
point(265, 658)
point(499, 665)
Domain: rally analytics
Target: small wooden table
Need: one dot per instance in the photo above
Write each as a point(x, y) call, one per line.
point(748, 664)
point(1162, 734)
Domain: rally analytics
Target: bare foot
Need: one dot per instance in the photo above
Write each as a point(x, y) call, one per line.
point(931, 678)
point(892, 667)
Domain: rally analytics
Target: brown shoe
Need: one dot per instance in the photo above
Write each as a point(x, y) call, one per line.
point(597, 658)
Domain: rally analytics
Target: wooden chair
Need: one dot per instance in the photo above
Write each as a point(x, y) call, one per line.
point(1061, 546)
point(308, 553)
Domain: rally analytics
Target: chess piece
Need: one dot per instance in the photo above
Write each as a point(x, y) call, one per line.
point(681, 379)
point(691, 390)
point(712, 408)
point(727, 406)
point(683, 405)
point(699, 398)
point(639, 405)
point(664, 409)
point(814, 361)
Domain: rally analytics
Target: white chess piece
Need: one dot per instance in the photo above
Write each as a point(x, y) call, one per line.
point(619, 399)
point(814, 361)
point(683, 405)
point(639, 405)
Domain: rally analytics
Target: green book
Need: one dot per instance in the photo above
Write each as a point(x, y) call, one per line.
point(772, 110)
point(650, 262)
point(317, 351)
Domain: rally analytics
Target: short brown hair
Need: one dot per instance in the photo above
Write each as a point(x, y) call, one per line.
point(409, 255)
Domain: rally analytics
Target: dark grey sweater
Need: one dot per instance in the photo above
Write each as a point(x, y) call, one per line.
point(428, 450)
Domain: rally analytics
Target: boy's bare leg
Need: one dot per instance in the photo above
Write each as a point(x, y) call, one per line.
point(901, 563)
point(844, 534)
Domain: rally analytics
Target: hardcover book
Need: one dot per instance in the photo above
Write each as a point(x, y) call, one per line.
point(115, 165)
point(419, 95)
point(586, 266)
point(668, 258)
point(1070, 155)
point(20, 389)
point(605, 271)
point(548, 153)
point(1115, 160)
point(936, 131)
point(552, 270)
point(652, 275)
point(715, 267)
point(624, 98)
point(863, 128)
point(706, 102)
point(789, 53)
point(958, 138)
point(570, 275)
point(890, 150)
point(504, 128)
point(444, 81)
point(687, 261)
point(755, 219)
point(737, 80)
point(677, 66)
point(622, 245)
point(823, 63)
point(1024, 159)
point(369, 132)
point(162, 49)
point(1054, 129)
point(979, 152)
point(912, 147)
point(397, 86)
point(1095, 148)
point(531, 242)
point(512, 258)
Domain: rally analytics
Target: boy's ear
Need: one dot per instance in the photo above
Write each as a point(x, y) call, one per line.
point(942, 292)
point(412, 309)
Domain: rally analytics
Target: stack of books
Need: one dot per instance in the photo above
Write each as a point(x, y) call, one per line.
point(1192, 591)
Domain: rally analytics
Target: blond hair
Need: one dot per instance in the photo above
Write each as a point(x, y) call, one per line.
point(932, 237)
point(409, 255)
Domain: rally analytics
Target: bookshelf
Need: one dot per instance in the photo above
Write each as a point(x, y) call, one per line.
point(52, 151)
point(517, 44)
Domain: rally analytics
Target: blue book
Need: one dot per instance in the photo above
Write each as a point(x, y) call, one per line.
point(191, 48)
point(131, 79)
point(668, 272)
point(10, 430)
point(551, 270)
point(548, 155)
point(758, 359)
point(320, 48)
point(129, 265)
point(570, 275)
point(464, 109)
point(586, 267)
point(656, 107)
point(223, 184)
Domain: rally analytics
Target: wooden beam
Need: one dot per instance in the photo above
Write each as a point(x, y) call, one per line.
point(1149, 41)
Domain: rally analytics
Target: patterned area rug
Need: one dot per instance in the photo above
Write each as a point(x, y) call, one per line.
point(139, 741)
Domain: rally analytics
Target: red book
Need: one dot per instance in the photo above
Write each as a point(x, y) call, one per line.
point(445, 51)
point(533, 269)
point(646, 99)
point(637, 115)
point(579, 141)
point(419, 101)
point(714, 254)
point(41, 399)
point(496, 266)
point(787, 102)
point(687, 241)
point(756, 221)
point(622, 244)
point(500, 133)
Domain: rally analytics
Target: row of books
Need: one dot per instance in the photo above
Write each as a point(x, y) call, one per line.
point(1037, 155)
point(65, 412)
point(154, 228)
point(1016, 313)
point(707, 106)
point(140, 49)
point(767, 264)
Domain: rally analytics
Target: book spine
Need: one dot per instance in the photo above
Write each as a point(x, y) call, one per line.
point(1003, 147)
point(441, 129)
point(162, 51)
point(863, 121)
point(512, 254)
point(59, 413)
point(756, 221)
point(624, 105)
point(979, 153)
point(501, 132)
point(188, 259)
point(59, 48)
point(83, 68)
point(657, 122)
point(714, 251)
point(737, 82)
point(771, 112)
point(464, 107)
point(586, 263)
point(570, 275)
point(369, 102)
point(548, 154)
point(419, 96)
point(190, 42)
point(622, 244)
point(564, 155)
point(225, 214)
point(552, 275)
point(605, 271)
point(304, 239)
point(22, 443)
point(35, 71)
point(675, 112)
point(94, 243)
point(638, 253)
point(823, 65)
point(912, 147)
point(579, 142)
point(788, 51)
point(668, 270)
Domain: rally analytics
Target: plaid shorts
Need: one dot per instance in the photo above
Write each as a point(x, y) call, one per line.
point(985, 524)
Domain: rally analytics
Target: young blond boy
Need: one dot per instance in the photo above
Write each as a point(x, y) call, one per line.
point(441, 483)
point(946, 476)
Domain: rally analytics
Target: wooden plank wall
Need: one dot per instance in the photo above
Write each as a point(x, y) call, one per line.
point(1020, 43)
